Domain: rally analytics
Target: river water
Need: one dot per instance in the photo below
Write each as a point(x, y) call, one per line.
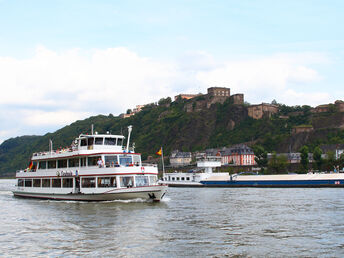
point(191, 222)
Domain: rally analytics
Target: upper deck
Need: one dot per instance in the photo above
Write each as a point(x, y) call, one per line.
point(87, 145)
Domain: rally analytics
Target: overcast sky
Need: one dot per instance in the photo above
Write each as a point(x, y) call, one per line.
point(61, 61)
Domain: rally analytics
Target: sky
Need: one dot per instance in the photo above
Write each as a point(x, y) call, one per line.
point(62, 61)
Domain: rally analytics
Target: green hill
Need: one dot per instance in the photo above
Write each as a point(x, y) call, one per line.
point(169, 125)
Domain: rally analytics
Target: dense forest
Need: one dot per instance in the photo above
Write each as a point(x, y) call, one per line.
point(167, 124)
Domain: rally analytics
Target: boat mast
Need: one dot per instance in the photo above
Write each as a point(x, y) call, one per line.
point(130, 127)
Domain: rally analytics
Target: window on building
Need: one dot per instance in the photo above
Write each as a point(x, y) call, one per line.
point(136, 160)
point(62, 163)
point(28, 182)
point(83, 162)
point(45, 182)
point(90, 141)
point(74, 162)
point(37, 183)
point(67, 182)
point(125, 160)
point(42, 165)
point(142, 180)
point(126, 181)
point(52, 164)
point(83, 142)
point(152, 180)
point(98, 141)
point(56, 182)
point(110, 141)
point(106, 181)
point(111, 160)
point(92, 161)
point(20, 182)
point(88, 182)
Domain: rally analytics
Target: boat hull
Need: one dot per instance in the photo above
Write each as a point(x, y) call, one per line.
point(275, 183)
point(154, 193)
point(291, 180)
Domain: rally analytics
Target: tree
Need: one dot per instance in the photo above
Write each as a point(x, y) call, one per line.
point(304, 158)
point(129, 111)
point(317, 157)
point(261, 156)
point(277, 164)
point(330, 160)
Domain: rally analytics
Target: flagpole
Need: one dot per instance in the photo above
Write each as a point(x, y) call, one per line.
point(162, 159)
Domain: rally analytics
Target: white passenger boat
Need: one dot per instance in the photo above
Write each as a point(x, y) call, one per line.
point(96, 168)
point(205, 167)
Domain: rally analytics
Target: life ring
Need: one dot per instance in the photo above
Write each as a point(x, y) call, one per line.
point(58, 173)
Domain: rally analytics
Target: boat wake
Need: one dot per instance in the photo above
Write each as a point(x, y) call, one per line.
point(138, 200)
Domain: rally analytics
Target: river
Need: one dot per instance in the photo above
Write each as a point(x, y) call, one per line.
point(191, 222)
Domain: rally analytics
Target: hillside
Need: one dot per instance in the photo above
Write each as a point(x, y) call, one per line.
point(170, 125)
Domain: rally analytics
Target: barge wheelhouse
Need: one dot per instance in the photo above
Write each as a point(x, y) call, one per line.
point(96, 167)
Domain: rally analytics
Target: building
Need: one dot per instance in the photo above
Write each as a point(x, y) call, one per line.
point(219, 92)
point(264, 109)
point(302, 129)
point(180, 159)
point(321, 109)
point(238, 155)
point(186, 96)
point(237, 99)
point(340, 105)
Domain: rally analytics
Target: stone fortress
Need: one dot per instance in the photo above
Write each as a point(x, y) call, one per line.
point(199, 102)
point(220, 95)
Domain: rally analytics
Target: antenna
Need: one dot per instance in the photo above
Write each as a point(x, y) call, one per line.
point(130, 127)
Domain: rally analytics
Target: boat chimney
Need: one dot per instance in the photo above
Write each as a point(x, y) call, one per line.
point(130, 127)
point(92, 127)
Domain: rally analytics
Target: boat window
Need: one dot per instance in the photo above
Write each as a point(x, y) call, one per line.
point(90, 141)
point(83, 162)
point(173, 178)
point(37, 183)
point(74, 162)
point(183, 178)
point(142, 181)
point(98, 141)
point(45, 182)
point(92, 161)
point(106, 181)
point(111, 161)
point(20, 182)
point(67, 182)
point(83, 142)
point(125, 160)
point(62, 163)
point(177, 178)
point(42, 165)
point(110, 141)
point(56, 182)
point(152, 180)
point(88, 182)
point(136, 159)
point(52, 164)
point(119, 141)
point(28, 182)
point(126, 181)
point(188, 178)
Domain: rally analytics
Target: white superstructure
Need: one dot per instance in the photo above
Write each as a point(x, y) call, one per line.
point(96, 167)
point(205, 165)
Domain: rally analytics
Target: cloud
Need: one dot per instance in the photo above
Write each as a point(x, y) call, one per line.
point(52, 89)
point(264, 78)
